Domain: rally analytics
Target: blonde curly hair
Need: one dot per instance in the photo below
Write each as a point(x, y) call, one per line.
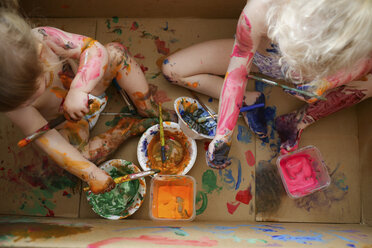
point(319, 37)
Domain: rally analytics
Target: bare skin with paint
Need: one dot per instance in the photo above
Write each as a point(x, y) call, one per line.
point(76, 66)
point(205, 62)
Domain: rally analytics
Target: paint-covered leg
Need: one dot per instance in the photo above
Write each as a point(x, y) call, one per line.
point(290, 126)
point(103, 145)
point(218, 151)
point(76, 133)
point(255, 118)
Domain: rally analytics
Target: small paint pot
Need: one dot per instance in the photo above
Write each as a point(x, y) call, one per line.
point(125, 199)
point(303, 172)
point(172, 198)
point(174, 137)
point(187, 120)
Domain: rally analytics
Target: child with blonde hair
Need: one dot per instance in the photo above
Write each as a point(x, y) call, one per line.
point(46, 72)
point(321, 46)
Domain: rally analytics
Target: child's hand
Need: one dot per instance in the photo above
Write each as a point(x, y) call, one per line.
point(76, 104)
point(101, 182)
point(218, 151)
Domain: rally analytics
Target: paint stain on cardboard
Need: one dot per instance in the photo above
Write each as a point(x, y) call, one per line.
point(269, 188)
point(35, 231)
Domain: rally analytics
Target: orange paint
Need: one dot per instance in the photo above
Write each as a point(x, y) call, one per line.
point(176, 152)
point(66, 81)
point(60, 93)
point(87, 43)
point(173, 197)
point(195, 84)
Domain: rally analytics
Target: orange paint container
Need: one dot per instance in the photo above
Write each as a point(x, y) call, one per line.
point(172, 197)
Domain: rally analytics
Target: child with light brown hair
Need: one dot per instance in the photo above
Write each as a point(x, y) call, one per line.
point(46, 72)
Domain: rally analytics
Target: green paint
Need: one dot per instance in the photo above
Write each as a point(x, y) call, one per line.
point(118, 31)
point(156, 75)
point(203, 198)
point(115, 19)
point(117, 201)
point(209, 181)
point(180, 232)
point(108, 23)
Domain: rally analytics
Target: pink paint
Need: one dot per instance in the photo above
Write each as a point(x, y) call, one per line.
point(232, 95)
point(160, 45)
point(251, 161)
point(90, 66)
point(244, 196)
point(362, 68)
point(157, 240)
point(244, 44)
point(231, 207)
point(299, 174)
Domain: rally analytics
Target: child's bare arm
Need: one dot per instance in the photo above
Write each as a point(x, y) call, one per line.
point(93, 63)
point(251, 26)
point(28, 119)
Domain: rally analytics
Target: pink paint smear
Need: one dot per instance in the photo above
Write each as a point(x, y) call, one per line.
point(158, 240)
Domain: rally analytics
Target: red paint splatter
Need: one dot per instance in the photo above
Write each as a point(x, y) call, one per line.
point(160, 45)
point(50, 212)
point(250, 158)
point(134, 26)
point(231, 207)
point(244, 196)
point(65, 6)
point(139, 56)
point(144, 68)
point(65, 193)
point(206, 145)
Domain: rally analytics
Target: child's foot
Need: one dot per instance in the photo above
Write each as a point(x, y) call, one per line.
point(255, 118)
point(289, 132)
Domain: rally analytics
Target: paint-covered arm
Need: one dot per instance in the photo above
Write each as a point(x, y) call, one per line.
point(29, 120)
point(251, 26)
point(93, 61)
point(342, 77)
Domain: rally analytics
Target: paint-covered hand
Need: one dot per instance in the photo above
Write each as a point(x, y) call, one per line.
point(317, 87)
point(218, 151)
point(101, 182)
point(76, 104)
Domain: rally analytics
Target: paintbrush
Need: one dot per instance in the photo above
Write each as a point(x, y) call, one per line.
point(309, 94)
point(51, 124)
point(204, 106)
point(131, 177)
point(123, 114)
point(161, 132)
point(243, 109)
point(126, 98)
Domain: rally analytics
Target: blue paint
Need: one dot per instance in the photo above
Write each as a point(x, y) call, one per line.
point(263, 229)
point(144, 147)
point(244, 135)
point(260, 86)
point(251, 107)
point(256, 118)
point(228, 177)
point(153, 132)
point(343, 238)
point(210, 99)
point(299, 239)
point(166, 61)
point(166, 26)
point(225, 227)
point(274, 49)
point(350, 245)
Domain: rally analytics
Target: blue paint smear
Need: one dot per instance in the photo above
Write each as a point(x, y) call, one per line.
point(343, 238)
point(153, 132)
point(210, 99)
point(264, 229)
point(166, 61)
point(350, 245)
point(225, 227)
point(144, 147)
point(274, 49)
point(299, 239)
point(260, 86)
point(244, 135)
point(228, 177)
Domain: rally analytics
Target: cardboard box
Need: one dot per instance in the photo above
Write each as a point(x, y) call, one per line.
point(242, 205)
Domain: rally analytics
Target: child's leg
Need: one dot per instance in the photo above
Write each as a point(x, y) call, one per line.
point(102, 145)
point(131, 78)
point(76, 133)
point(200, 67)
point(290, 126)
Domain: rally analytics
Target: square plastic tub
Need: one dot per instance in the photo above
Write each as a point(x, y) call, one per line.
point(303, 172)
point(172, 197)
